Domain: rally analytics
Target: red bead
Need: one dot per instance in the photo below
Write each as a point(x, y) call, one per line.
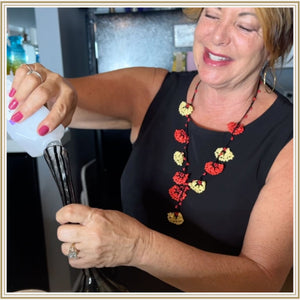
point(213, 168)
point(180, 177)
point(181, 136)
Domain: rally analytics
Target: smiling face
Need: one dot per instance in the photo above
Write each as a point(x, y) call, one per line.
point(228, 47)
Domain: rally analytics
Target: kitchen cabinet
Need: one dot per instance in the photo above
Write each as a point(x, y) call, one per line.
point(26, 252)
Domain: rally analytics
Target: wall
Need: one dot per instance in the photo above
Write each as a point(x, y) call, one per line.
point(138, 39)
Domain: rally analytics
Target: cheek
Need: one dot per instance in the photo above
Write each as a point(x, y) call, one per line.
point(201, 27)
point(199, 39)
point(198, 34)
point(249, 48)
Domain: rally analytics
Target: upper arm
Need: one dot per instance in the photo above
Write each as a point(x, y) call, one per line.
point(116, 99)
point(269, 237)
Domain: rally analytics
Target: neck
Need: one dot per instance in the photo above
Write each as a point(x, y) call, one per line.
point(226, 97)
point(218, 106)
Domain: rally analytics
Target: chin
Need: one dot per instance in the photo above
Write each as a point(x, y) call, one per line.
point(212, 79)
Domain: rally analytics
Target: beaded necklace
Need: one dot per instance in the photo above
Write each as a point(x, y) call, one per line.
point(178, 192)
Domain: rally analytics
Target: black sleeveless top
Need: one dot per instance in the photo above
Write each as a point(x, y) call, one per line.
point(215, 220)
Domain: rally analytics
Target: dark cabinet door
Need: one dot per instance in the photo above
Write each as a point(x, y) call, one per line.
point(26, 254)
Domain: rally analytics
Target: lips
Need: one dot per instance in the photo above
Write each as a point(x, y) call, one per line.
point(215, 59)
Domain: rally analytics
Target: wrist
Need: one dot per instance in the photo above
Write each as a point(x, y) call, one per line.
point(142, 248)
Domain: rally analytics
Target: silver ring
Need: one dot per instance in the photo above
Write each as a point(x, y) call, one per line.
point(73, 252)
point(28, 67)
point(34, 72)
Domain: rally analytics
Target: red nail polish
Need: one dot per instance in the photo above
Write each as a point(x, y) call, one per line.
point(43, 130)
point(17, 117)
point(13, 104)
point(12, 92)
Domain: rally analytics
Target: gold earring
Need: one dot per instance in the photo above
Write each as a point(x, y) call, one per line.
point(267, 88)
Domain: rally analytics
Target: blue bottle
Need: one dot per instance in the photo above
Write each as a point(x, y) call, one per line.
point(8, 60)
point(18, 56)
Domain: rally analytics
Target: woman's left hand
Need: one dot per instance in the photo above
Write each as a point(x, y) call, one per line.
point(104, 238)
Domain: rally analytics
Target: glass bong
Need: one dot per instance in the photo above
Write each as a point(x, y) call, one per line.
point(91, 279)
point(25, 134)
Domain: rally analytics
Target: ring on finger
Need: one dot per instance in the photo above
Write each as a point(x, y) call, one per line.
point(35, 73)
point(73, 251)
point(28, 67)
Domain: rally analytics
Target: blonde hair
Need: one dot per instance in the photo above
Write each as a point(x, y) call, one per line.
point(277, 27)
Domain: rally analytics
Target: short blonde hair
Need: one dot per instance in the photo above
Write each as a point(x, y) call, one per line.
point(277, 27)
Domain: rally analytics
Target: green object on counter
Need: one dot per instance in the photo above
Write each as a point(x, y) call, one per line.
point(17, 54)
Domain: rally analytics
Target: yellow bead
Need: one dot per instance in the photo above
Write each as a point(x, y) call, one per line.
point(175, 218)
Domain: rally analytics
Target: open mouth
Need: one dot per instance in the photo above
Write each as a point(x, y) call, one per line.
point(216, 57)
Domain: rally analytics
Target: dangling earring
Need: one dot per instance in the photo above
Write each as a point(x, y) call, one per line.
point(265, 70)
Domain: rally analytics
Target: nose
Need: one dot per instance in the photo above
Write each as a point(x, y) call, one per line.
point(221, 35)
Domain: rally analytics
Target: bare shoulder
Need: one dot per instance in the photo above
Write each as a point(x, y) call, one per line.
point(283, 164)
point(150, 80)
point(153, 79)
point(269, 236)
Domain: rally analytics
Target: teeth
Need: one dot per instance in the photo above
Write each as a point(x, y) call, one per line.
point(216, 58)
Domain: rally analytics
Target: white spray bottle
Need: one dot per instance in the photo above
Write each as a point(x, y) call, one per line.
point(25, 133)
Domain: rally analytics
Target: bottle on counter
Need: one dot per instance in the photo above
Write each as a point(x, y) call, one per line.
point(32, 37)
point(18, 56)
point(29, 49)
point(8, 57)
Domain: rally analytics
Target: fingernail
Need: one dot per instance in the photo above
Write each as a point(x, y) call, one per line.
point(17, 117)
point(43, 130)
point(13, 104)
point(12, 92)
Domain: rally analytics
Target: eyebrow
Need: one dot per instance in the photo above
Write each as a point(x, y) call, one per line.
point(247, 14)
point(242, 13)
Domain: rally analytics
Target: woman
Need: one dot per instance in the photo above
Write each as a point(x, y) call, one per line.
point(207, 191)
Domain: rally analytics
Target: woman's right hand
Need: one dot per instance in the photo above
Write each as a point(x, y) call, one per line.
point(29, 92)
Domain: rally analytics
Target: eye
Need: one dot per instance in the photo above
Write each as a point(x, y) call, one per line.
point(210, 16)
point(247, 29)
point(211, 13)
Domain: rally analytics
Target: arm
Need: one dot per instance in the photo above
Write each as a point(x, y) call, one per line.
point(266, 256)
point(267, 252)
point(116, 99)
point(263, 264)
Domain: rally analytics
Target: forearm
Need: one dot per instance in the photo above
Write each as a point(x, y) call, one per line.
point(85, 119)
point(99, 104)
point(117, 99)
point(193, 270)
